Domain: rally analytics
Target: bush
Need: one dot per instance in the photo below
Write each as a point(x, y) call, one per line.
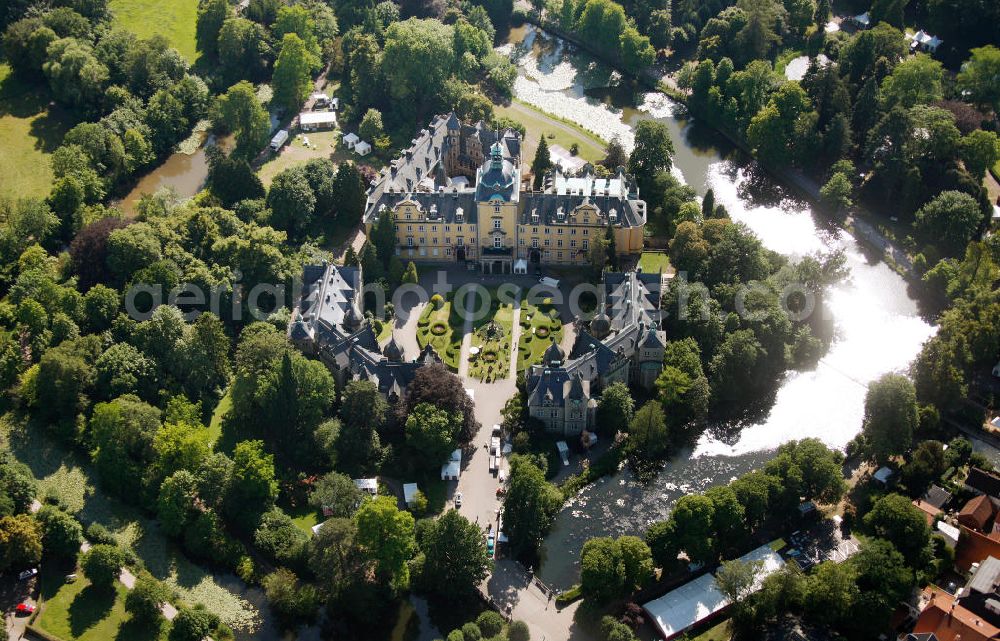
point(97, 534)
point(144, 600)
point(437, 301)
point(490, 623)
point(471, 632)
point(518, 631)
point(192, 625)
point(456, 635)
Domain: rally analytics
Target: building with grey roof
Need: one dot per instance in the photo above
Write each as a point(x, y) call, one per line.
point(623, 343)
point(328, 323)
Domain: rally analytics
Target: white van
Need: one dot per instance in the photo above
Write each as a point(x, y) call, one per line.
point(549, 282)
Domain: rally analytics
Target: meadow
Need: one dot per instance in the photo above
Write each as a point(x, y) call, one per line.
point(175, 19)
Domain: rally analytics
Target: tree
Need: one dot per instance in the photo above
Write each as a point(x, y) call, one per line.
point(121, 434)
point(291, 79)
point(756, 39)
point(371, 127)
point(648, 436)
point(915, 80)
point(683, 387)
point(385, 534)
point(431, 433)
point(980, 150)
point(737, 580)
point(602, 572)
point(145, 600)
point(102, 564)
point(837, 192)
point(435, 385)
point(253, 487)
point(20, 542)
point(926, 465)
point(541, 164)
point(335, 557)
point(292, 201)
point(211, 15)
point(980, 76)
point(652, 152)
point(75, 75)
point(418, 54)
point(614, 630)
point(239, 112)
point(693, 518)
point(232, 179)
point(131, 249)
point(349, 190)
point(456, 560)
point(614, 154)
point(410, 275)
point(175, 506)
point(61, 533)
point(890, 11)
point(293, 602)
point(278, 537)
point(122, 369)
point(727, 517)
point(336, 494)
point(616, 408)
point(192, 624)
point(890, 416)
point(518, 631)
point(895, 519)
point(530, 505)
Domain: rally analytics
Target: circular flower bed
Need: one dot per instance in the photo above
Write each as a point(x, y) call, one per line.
point(439, 329)
point(490, 356)
point(541, 331)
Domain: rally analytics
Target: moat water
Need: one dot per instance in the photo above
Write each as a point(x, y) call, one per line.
point(878, 328)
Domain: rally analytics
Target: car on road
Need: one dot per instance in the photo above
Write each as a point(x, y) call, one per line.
point(25, 608)
point(27, 574)
point(496, 430)
point(490, 543)
point(458, 499)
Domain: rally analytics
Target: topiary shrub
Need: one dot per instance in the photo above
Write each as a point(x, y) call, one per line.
point(471, 632)
point(437, 301)
point(439, 329)
point(490, 623)
point(518, 631)
point(97, 534)
point(456, 635)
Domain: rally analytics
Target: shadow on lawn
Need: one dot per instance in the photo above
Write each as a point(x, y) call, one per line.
point(89, 608)
point(22, 99)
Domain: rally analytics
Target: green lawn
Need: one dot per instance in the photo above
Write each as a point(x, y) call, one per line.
point(653, 262)
point(719, 632)
point(539, 329)
point(304, 517)
point(30, 129)
point(174, 19)
point(81, 612)
point(537, 124)
point(443, 330)
point(215, 426)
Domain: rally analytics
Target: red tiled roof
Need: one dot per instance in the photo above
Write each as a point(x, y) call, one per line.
point(950, 621)
point(930, 512)
point(976, 512)
point(974, 547)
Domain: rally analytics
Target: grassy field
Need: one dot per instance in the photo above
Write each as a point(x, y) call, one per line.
point(653, 262)
point(174, 19)
point(719, 632)
point(556, 132)
point(31, 129)
point(215, 426)
point(493, 362)
point(81, 612)
point(304, 517)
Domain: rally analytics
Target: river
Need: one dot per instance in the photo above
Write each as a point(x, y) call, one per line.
point(877, 326)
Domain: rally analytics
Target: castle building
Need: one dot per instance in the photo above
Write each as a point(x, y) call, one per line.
point(456, 195)
point(624, 343)
point(327, 322)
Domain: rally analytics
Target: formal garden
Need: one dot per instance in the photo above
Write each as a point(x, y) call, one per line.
point(489, 356)
point(441, 329)
point(540, 327)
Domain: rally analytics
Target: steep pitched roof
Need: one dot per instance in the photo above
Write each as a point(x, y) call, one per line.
point(949, 621)
point(982, 481)
point(976, 512)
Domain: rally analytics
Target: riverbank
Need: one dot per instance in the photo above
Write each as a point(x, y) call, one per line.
point(860, 223)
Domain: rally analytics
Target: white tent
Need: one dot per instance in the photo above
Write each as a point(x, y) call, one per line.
point(351, 139)
point(313, 120)
point(697, 600)
point(316, 528)
point(863, 20)
point(410, 493)
point(520, 266)
point(451, 470)
point(362, 148)
point(279, 139)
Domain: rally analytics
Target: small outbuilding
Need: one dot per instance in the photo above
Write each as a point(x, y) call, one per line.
point(320, 100)
point(362, 148)
point(351, 139)
point(863, 20)
point(883, 475)
point(520, 266)
point(317, 120)
point(370, 486)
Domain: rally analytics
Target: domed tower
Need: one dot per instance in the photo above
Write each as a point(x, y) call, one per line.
point(553, 356)
point(600, 325)
point(393, 351)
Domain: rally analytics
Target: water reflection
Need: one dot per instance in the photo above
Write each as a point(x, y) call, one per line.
point(877, 327)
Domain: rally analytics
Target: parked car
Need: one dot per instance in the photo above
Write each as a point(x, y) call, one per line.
point(27, 574)
point(490, 543)
point(496, 430)
point(70, 578)
point(458, 499)
point(25, 608)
